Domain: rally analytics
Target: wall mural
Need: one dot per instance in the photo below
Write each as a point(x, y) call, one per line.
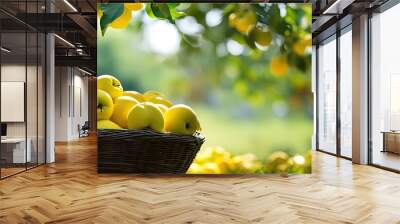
point(202, 88)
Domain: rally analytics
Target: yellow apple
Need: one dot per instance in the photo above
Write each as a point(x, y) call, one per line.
point(181, 119)
point(279, 66)
point(133, 6)
point(123, 20)
point(146, 115)
point(159, 100)
point(151, 93)
point(105, 105)
point(138, 96)
point(162, 107)
point(261, 36)
point(107, 124)
point(122, 106)
point(110, 84)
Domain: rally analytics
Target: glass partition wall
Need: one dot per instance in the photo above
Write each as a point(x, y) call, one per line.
point(22, 77)
point(327, 95)
point(345, 62)
point(334, 93)
point(334, 105)
point(385, 89)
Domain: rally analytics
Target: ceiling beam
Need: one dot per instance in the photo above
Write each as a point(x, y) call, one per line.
point(79, 61)
point(337, 7)
point(85, 25)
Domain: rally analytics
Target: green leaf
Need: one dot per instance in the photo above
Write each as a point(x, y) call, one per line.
point(259, 10)
point(110, 13)
point(192, 40)
point(161, 11)
point(176, 15)
point(164, 11)
point(229, 8)
point(149, 11)
point(172, 5)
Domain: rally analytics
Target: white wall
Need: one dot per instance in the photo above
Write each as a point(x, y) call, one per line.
point(16, 73)
point(71, 102)
point(12, 73)
point(61, 103)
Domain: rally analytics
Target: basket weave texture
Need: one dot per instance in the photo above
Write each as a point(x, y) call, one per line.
point(145, 151)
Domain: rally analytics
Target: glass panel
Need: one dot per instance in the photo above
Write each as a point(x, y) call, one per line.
point(13, 86)
point(23, 89)
point(346, 94)
point(327, 96)
point(385, 86)
point(32, 87)
point(32, 96)
point(313, 87)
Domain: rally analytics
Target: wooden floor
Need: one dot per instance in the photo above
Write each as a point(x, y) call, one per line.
point(10, 171)
point(387, 159)
point(70, 191)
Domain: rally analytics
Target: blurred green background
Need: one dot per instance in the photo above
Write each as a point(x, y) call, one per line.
point(201, 59)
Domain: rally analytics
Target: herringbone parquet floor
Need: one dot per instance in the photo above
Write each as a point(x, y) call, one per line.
point(70, 191)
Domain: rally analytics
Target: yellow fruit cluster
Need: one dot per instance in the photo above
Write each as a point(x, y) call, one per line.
point(279, 65)
point(216, 160)
point(119, 109)
point(300, 46)
point(245, 22)
point(123, 20)
point(281, 162)
point(242, 21)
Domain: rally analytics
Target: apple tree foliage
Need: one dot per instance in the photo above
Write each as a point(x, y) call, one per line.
point(250, 73)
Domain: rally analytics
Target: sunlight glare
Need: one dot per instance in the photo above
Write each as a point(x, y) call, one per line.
point(234, 47)
point(214, 17)
point(162, 37)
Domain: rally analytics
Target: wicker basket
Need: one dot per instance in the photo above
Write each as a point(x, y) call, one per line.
point(145, 151)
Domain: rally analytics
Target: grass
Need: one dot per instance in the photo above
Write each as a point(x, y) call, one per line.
point(258, 136)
